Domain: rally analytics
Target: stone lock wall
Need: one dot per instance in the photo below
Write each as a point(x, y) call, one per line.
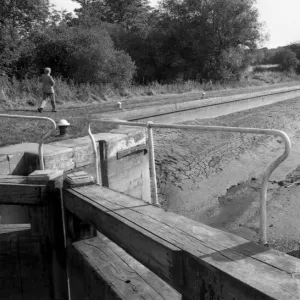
point(119, 170)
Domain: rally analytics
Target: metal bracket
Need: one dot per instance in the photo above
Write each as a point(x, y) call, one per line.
point(132, 150)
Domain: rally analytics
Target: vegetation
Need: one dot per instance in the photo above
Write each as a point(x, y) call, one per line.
point(115, 42)
point(287, 57)
point(113, 48)
point(26, 93)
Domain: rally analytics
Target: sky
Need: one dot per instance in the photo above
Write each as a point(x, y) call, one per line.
point(281, 19)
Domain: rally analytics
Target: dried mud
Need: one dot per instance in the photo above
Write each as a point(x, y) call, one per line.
point(214, 177)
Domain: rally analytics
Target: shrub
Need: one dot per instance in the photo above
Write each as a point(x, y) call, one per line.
point(287, 60)
point(85, 55)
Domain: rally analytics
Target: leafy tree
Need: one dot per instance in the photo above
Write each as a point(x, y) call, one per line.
point(86, 55)
point(17, 19)
point(192, 36)
point(287, 59)
point(233, 63)
point(23, 15)
point(295, 47)
point(110, 39)
point(130, 15)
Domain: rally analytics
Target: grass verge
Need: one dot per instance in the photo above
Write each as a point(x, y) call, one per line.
point(16, 94)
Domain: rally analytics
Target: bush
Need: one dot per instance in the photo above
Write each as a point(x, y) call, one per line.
point(287, 60)
point(233, 64)
point(85, 55)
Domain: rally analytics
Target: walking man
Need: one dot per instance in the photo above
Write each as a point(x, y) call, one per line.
point(48, 90)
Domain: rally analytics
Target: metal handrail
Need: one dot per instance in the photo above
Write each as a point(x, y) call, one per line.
point(46, 135)
point(266, 175)
point(96, 156)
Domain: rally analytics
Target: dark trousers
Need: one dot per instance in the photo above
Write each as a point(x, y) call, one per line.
point(44, 101)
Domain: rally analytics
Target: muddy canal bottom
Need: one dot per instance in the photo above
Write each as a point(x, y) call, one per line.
point(238, 211)
point(215, 178)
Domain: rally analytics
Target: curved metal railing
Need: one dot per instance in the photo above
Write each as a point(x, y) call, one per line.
point(46, 135)
point(265, 178)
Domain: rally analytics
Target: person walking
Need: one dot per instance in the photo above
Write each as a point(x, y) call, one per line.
point(48, 90)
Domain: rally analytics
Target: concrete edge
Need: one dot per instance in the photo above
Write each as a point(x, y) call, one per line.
point(176, 107)
point(66, 154)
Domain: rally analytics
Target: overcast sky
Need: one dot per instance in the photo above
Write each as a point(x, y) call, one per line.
point(281, 18)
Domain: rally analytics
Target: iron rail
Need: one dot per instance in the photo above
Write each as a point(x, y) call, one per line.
point(266, 175)
point(44, 137)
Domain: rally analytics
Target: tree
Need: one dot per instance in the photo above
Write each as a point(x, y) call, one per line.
point(295, 47)
point(201, 30)
point(287, 60)
point(17, 19)
point(130, 15)
point(86, 55)
point(110, 39)
point(23, 15)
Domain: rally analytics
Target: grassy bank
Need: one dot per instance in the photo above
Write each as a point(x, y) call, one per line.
point(22, 97)
point(27, 93)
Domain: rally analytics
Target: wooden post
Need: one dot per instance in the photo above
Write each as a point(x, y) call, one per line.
point(56, 235)
point(78, 229)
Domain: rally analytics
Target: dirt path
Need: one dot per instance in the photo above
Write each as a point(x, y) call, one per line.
point(215, 177)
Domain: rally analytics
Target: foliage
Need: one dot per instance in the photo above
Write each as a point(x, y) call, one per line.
point(286, 59)
point(86, 55)
point(113, 41)
point(192, 36)
point(17, 20)
point(295, 47)
point(233, 63)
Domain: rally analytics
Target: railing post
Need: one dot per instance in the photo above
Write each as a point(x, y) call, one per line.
point(96, 156)
point(266, 175)
point(152, 165)
point(46, 135)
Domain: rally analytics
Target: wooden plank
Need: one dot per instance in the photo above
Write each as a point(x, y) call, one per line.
point(15, 179)
point(110, 273)
point(132, 150)
point(43, 176)
point(17, 249)
point(77, 228)
point(129, 174)
point(34, 269)
point(221, 243)
point(56, 238)
point(151, 278)
point(217, 239)
point(209, 255)
point(39, 220)
point(6, 228)
point(77, 179)
point(22, 194)
point(158, 255)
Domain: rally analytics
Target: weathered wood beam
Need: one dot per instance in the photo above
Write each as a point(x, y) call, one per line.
point(23, 271)
point(13, 179)
point(78, 179)
point(157, 254)
point(132, 150)
point(76, 228)
point(213, 263)
point(100, 269)
point(50, 222)
point(22, 194)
